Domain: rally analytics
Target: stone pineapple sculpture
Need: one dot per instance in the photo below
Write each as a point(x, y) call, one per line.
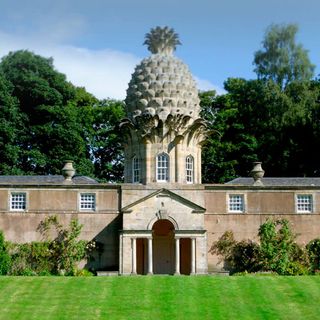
point(162, 40)
point(162, 84)
point(162, 114)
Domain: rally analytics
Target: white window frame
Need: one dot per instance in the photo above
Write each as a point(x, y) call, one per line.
point(304, 203)
point(231, 202)
point(87, 205)
point(20, 200)
point(162, 170)
point(136, 169)
point(189, 169)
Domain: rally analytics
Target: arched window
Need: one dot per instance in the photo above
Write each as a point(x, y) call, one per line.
point(135, 170)
point(189, 169)
point(163, 167)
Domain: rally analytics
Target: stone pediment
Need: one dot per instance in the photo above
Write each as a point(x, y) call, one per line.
point(165, 193)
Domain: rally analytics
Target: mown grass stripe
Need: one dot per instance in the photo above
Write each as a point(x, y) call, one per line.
point(159, 297)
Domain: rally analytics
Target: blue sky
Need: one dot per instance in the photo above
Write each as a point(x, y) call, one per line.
point(97, 43)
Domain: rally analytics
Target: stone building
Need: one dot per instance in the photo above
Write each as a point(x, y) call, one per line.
point(162, 220)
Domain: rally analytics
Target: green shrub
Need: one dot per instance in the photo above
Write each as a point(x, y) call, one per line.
point(65, 249)
point(238, 256)
point(44, 273)
point(18, 265)
point(224, 247)
point(53, 256)
point(313, 249)
point(82, 273)
point(34, 256)
point(296, 268)
point(5, 259)
point(278, 250)
point(245, 256)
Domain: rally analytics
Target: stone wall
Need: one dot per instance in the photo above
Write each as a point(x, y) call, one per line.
point(102, 225)
point(105, 223)
point(260, 205)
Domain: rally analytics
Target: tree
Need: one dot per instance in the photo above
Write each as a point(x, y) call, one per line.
point(282, 59)
point(106, 147)
point(230, 152)
point(10, 117)
point(35, 81)
point(48, 130)
point(257, 120)
point(47, 120)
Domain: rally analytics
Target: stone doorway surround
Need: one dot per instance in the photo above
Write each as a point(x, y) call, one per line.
point(188, 244)
point(128, 247)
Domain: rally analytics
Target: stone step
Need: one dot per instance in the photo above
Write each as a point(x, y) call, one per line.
point(107, 273)
point(218, 273)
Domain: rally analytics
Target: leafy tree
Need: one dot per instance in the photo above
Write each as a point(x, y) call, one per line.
point(257, 120)
point(106, 148)
point(10, 117)
point(282, 59)
point(51, 120)
point(208, 112)
point(47, 120)
point(231, 152)
point(35, 82)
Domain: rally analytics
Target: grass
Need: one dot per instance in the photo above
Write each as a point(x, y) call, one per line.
point(160, 297)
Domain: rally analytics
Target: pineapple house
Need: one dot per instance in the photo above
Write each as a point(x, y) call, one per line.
point(162, 219)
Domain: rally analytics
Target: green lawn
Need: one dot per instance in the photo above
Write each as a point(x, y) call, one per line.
point(160, 297)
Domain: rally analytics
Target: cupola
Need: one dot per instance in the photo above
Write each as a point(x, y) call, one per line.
point(163, 129)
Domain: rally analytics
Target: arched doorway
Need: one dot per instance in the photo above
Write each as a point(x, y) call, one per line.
point(163, 247)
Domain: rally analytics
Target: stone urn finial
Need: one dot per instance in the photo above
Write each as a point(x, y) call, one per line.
point(257, 173)
point(68, 170)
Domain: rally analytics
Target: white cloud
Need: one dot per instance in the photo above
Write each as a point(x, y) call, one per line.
point(206, 85)
point(104, 73)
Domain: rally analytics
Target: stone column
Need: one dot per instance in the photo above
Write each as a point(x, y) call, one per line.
point(177, 164)
point(134, 255)
point(193, 255)
point(148, 162)
point(177, 267)
point(150, 259)
point(198, 168)
point(121, 254)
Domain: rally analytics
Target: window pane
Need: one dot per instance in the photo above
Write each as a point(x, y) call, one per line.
point(236, 203)
point(88, 201)
point(18, 201)
point(189, 169)
point(304, 203)
point(136, 169)
point(163, 167)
